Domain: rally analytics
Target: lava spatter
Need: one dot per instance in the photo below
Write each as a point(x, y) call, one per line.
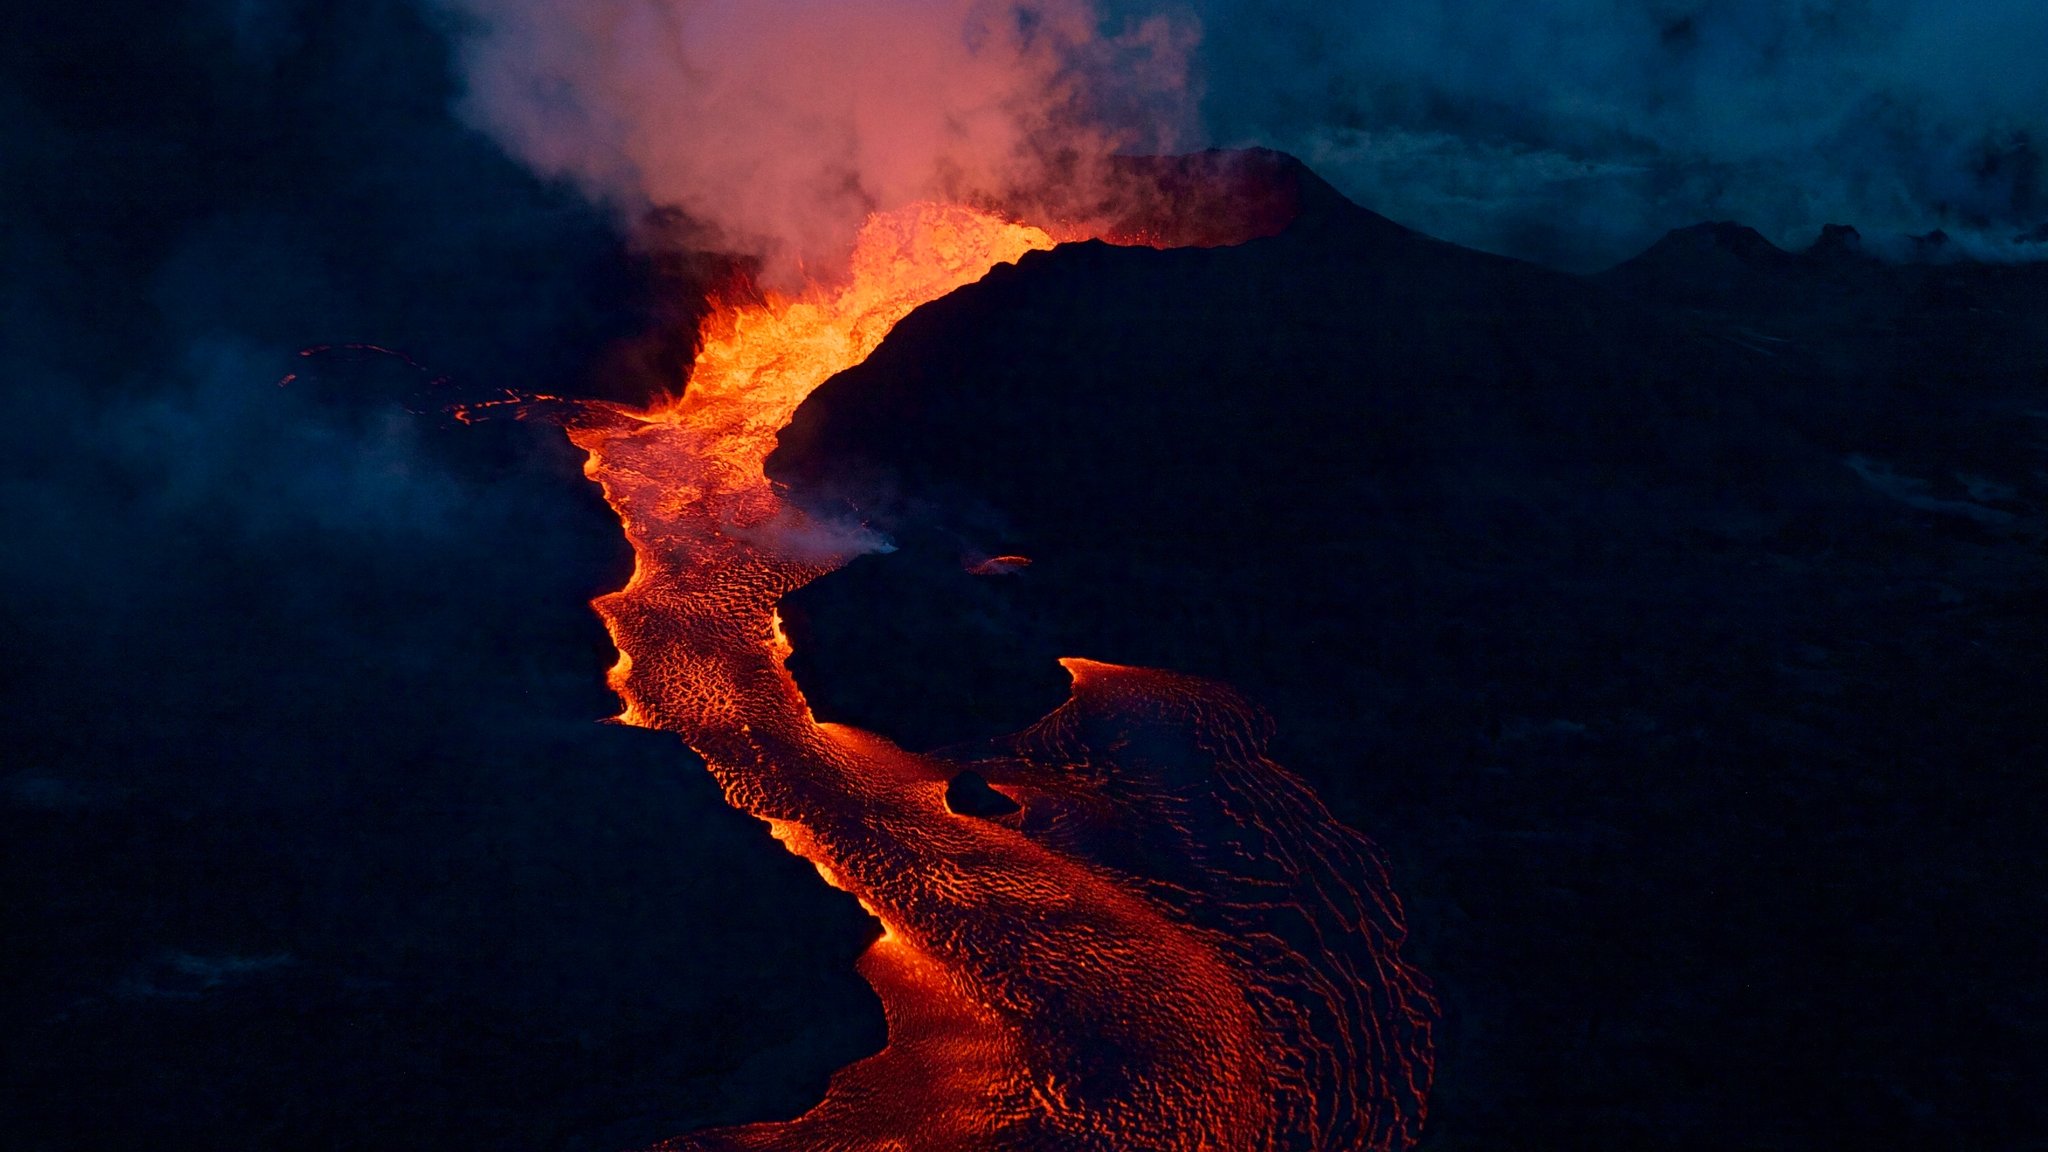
point(1169, 945)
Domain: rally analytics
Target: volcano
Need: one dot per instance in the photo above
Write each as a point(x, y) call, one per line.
point(1160, 938)
point(1232, 671)
point(1678, 628)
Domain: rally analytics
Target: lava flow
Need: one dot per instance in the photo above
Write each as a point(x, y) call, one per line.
point(1170, 945)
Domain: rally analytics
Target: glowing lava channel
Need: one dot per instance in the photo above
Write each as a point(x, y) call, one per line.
point(1173, 945)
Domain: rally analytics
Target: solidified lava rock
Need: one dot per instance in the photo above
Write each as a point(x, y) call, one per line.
point(1677, 630)
point(969, 794)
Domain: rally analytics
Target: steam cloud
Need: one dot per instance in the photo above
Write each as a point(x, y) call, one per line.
point(778, 125)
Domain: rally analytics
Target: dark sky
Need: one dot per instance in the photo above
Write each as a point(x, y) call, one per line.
point(1578, 130)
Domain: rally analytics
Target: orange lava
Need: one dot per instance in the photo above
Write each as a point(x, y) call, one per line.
point(1173, 945)
point(999, 566)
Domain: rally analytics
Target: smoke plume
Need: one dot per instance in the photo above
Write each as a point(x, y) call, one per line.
point(1568, 131)
point(778, 125)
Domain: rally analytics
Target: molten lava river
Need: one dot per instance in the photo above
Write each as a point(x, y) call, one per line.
point(1171, 944)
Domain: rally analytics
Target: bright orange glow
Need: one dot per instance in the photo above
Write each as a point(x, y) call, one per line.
point(999, 566)
point(1172, 947)
point(757, 362)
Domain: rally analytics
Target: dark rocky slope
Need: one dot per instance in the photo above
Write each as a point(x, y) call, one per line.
point(310, 835)
point(1679, 631)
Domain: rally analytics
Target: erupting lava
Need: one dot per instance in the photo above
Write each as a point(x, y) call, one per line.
point(1171, 945)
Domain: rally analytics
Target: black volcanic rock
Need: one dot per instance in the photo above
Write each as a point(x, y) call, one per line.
point(1837, 242)
point(1678, 631)
point(1724, 241)
point(311, 834)
point(970, 794)
point(1934, 246)
point(1721, 266)
point(1216, 197)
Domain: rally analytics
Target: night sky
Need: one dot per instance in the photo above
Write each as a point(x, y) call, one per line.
point(313, 834)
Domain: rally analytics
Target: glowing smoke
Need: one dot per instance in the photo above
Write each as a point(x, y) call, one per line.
point(1571, 131)
point(778, 125)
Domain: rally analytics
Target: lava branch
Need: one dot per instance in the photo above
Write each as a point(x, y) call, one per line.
point(1041, 990)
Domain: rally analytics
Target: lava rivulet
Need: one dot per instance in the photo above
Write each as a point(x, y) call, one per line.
point(1171, 945)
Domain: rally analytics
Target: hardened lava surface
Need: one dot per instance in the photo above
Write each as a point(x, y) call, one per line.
point(1169, 945)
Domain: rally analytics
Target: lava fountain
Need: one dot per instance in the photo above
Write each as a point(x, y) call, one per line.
point(1170, 945)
